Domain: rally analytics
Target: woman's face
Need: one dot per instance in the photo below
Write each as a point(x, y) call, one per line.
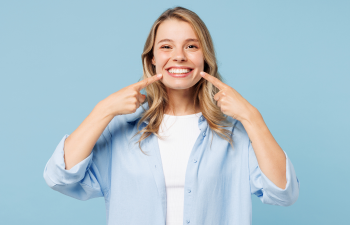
point(177, 54)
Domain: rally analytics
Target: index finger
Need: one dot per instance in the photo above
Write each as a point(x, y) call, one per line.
point(215, 81)
point(144, 83)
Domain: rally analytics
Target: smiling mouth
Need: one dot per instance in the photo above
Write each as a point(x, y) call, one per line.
point(179, 71)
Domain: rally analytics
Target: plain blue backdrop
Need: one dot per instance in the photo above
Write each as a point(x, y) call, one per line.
point(290, 59)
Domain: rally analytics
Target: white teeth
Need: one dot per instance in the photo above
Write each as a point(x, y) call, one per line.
point(179, 70)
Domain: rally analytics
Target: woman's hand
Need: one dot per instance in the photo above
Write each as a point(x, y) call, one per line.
point(128, 99)
point(230, 101)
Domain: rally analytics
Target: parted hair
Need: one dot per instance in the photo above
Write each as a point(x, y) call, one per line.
point(204, 91)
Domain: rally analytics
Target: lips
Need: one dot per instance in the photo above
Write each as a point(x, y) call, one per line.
point(178, 71)
point(179, 67)
point(179, 75)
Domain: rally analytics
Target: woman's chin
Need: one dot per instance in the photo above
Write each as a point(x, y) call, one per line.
point(177, 85)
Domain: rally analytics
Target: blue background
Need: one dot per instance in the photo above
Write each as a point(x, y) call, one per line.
point(290, 59)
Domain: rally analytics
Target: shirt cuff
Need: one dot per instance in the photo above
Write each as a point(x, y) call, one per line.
point(275, 195)
point(55, 172)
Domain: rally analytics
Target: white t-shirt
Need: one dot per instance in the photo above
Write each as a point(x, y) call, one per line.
point(179, 134)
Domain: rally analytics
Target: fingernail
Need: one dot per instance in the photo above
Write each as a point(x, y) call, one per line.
point(159, 75)
point(202, 74)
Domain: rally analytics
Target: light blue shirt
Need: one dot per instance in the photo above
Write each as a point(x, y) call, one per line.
point(219, 181)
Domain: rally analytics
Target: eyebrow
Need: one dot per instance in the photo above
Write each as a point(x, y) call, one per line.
point(187, 40)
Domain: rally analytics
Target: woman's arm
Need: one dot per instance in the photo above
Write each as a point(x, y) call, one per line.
point(80, 143)
point(270, 156)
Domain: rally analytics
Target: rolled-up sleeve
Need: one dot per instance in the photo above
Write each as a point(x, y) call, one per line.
point(87, 179)
point(266, 190)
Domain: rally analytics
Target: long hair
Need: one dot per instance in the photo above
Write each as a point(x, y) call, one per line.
point(156, 94)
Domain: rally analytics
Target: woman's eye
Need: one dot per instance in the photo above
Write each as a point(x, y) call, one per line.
point(167, 47)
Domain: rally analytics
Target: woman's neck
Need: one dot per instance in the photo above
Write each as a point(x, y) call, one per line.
point(181, 102)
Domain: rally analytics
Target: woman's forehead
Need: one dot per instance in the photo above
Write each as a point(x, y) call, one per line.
point(174, 30)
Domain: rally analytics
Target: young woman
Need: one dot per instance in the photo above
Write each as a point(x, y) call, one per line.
point(190, 151)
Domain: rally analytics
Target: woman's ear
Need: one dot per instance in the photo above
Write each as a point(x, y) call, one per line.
point(153, 61)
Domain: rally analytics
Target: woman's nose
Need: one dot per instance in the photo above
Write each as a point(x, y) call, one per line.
point(179, 55)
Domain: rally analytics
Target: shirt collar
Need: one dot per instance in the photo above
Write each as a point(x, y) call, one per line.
point(133, 117)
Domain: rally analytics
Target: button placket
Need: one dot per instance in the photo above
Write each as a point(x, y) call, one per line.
point(191, 170)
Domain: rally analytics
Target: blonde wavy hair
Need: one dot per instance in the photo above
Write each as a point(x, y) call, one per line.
point(156, 94)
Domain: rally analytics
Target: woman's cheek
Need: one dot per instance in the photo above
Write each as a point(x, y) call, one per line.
point(198, 59)
point(162, 64)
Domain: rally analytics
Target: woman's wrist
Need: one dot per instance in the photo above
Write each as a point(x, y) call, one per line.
point(103, 109)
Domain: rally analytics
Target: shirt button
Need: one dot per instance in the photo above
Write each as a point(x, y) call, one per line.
point(204, 134)
point(188, 221)
point(194, 160)
point(189, 190)
point(202, 118)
